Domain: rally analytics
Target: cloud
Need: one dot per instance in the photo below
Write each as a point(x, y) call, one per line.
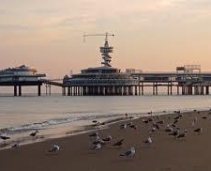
point(10, 27)
point(95, 14)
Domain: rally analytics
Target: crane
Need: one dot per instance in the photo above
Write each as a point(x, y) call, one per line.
point(105, 34)
point(105, 50)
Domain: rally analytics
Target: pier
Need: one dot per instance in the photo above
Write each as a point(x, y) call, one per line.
point(172, 82)
point(21, 76)
point(186, 80)
point(106, 80)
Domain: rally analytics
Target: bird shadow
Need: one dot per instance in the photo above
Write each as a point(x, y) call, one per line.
point(51, 154)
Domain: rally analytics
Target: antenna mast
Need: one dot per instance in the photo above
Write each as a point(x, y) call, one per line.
point(105, 50)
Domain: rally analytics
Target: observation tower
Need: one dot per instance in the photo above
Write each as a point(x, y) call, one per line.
point(100, 81)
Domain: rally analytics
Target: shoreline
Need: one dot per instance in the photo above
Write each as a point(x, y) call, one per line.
point(166, 153)
point(78, 130)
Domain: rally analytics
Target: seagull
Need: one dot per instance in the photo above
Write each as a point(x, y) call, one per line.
point(182, 134)
point(155, 125)
point(16, 145)
point(108, 138)
point(4, 137)
point(97, 146)
point(175, 121)
point(198, 130)
point(98, 141)
point(204, 117)
point(169, 128)
point(148, 140)
point(94, 134)
point(152, 130)
point(133, 126)
point(33, 134)
point(94, 121)
point(175, 133)
point(119, 143)
point(145, 121)
point(177, 111)
point(123, 126)
point(54, 148)
point(160, 122)
point(194, 121)
point(149, 113)
point(129, 153)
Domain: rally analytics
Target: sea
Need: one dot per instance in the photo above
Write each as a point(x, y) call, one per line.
point(56, 115)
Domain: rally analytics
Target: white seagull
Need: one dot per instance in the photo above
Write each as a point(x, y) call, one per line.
point(97, 146)
point(54, 148)
point(148, 140)
point(123, 126)
point(129, 153)
point(16, 145)
point(194, 121)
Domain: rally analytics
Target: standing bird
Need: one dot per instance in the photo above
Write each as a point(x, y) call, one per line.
point(4, 137)
point(108, 138)
point(94, 134)
point(198, 130)
point(119, 143)
point(204, 117)
point(182, 134)
point(54, 148)
point(129, 153)
point(16, 145)
point(133, 126)
point(175, 133)
point(98, 140)
point(169, 128)
point(123, 126)
point(194, 121)
point(33, 134)
point(148, 140)
point(97, 146)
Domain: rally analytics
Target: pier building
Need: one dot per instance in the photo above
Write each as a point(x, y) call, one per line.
point(103, 80)
point(21, 76)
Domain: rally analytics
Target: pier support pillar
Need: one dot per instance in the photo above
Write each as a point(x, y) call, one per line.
point(183, 90)
point(136, 91)
point(190, 92)
point(68, 91)
point(196, 90)
point(15, 90)
point(139, 90)
point(113, 90)
point(130, 90)
point(168, 89)
point(202, 90)
point(124, 91)
point(38, 91)
point(155, 89)
point(207, 90)
point(177, 89)
point(74, 91)
point(20, 90)
point(63, 91)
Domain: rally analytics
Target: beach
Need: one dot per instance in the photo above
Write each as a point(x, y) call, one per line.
point(166, 153)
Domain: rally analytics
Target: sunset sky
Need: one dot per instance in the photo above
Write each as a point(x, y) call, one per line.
point(151, 35)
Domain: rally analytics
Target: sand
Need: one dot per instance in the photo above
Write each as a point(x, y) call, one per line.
point(166, 153)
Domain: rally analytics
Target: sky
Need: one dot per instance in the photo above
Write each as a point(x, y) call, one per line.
point(151, 35)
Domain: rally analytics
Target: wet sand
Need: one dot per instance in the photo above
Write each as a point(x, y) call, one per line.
point(166, 153)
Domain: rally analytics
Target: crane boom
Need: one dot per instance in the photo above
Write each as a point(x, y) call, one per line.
point(105, 34)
